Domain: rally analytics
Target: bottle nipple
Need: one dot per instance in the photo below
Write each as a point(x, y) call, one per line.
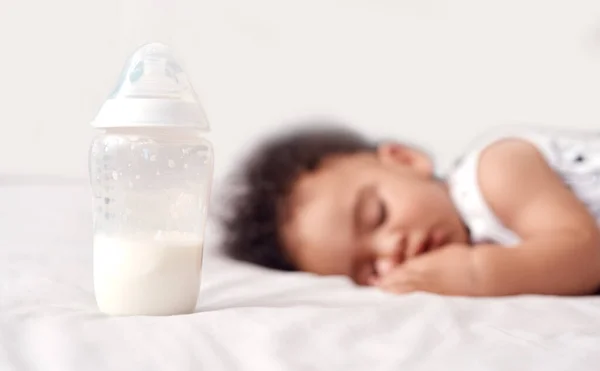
point(153, 90)
point(152, 72)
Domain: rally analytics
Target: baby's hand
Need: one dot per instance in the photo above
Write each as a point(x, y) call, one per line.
point(447, 271)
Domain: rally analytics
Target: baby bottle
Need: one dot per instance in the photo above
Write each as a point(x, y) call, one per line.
point(151, 171)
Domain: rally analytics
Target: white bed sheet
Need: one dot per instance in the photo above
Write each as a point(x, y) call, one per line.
point(253, 319)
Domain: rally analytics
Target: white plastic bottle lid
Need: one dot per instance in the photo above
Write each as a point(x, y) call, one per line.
point(153, 91)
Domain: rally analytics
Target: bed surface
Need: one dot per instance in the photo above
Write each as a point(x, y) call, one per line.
point(253, 319)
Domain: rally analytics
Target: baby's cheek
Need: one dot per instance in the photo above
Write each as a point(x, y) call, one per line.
point(410, 212)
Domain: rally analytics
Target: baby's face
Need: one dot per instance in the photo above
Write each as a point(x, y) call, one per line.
point(359, 215)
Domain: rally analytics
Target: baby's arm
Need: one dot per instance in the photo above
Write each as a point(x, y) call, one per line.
point(560, 249)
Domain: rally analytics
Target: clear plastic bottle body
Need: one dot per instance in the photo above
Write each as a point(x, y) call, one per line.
point(151, 191)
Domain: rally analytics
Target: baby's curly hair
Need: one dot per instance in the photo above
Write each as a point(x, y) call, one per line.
point(258, 199)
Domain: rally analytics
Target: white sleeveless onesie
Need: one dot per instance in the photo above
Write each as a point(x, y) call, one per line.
point(575, 156)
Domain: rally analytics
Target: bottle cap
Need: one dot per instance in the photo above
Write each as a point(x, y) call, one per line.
point(153, 91)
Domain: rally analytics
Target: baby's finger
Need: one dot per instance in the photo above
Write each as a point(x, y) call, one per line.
point(397, 277)
point(373, 281)
point(400, 288)
point(384, 266)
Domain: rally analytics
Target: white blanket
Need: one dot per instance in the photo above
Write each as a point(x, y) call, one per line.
point(253, 319)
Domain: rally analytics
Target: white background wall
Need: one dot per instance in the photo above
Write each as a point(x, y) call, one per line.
point(429, 71)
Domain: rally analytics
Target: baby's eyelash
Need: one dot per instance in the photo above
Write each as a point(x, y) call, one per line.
point(382, 214)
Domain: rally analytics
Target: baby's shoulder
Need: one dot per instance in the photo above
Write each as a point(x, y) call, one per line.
point(502, 162)
point(505, 167)
point(534, 139)
point(537, 136)
point(508, 168)
point(492, 182)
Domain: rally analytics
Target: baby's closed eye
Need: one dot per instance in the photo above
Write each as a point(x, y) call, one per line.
point(372, 211)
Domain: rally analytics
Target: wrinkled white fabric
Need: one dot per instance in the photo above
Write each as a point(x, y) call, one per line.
point(254, 319)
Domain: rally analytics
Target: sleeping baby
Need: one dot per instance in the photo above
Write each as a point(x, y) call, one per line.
point(517, 214)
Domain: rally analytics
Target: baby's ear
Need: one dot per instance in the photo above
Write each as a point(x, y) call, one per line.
point(400, 154)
